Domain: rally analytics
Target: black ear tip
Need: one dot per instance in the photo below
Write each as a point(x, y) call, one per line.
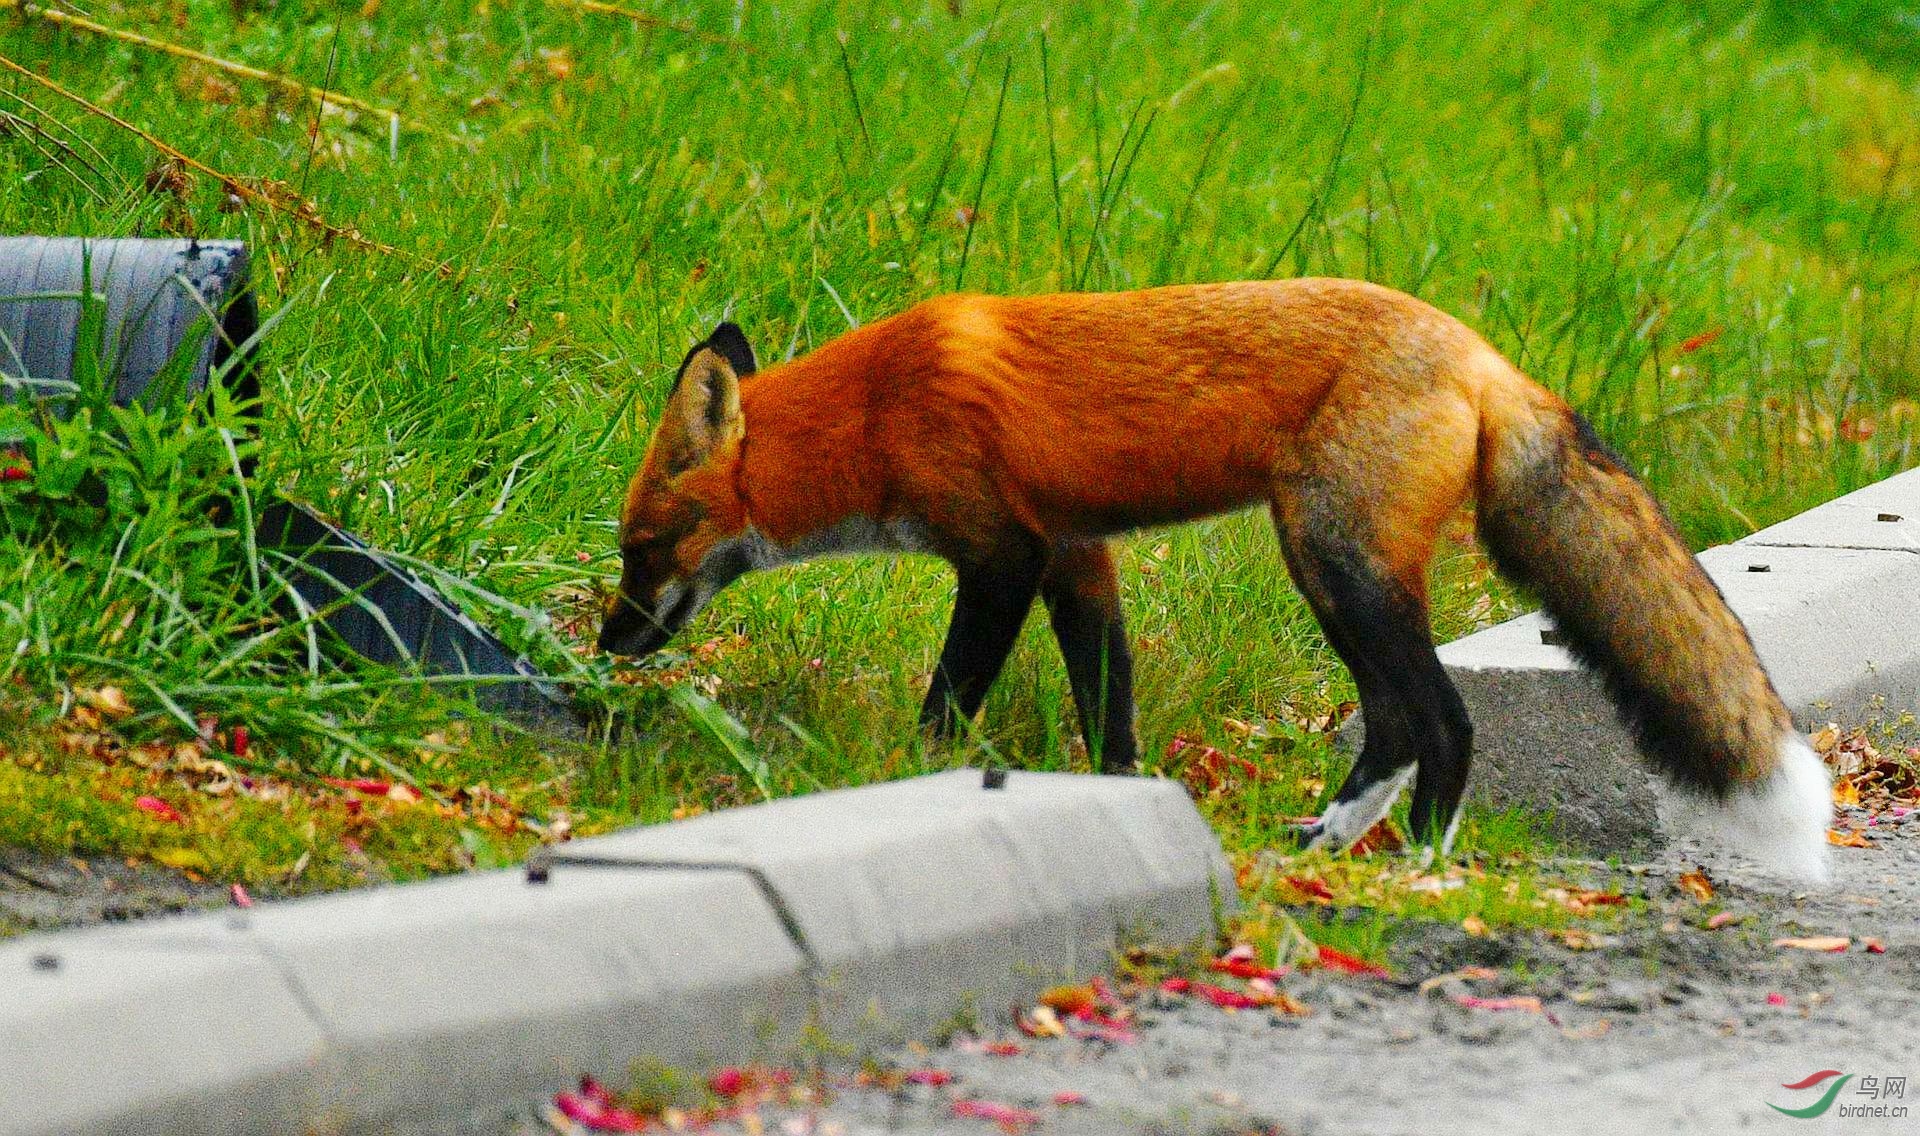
point(732, 344)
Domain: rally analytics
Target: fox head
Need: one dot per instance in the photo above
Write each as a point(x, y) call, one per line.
point(683, 533)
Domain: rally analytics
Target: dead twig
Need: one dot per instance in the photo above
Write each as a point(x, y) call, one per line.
point(35, 135)
point(651, 21)
point(319, 95)
point(267, 194)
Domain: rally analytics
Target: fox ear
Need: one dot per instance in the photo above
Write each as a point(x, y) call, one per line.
point(703, 412)
point(732, 345)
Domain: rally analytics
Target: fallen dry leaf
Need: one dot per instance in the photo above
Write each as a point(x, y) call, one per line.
point(1010, 1118)
point(1721, 919)
point(1526, 1003)
point(159, 808)
point(1582, 901)
point(1314, 890)
point(1832, 944)
point(1593, 1029)
point(1340, 960)
point(108, 700)
point(1382, 837)
point(1576, 939)
point(1465, 973)
point(928, 1077)
point(1474, 925)
point(1068, 1097)
point(1697, 885)
point(1041, 1021)
point(1242, 962)
point(1070, 999)
point(1848, 838)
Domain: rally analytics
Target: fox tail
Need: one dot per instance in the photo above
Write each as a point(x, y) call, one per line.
point(1563, 516)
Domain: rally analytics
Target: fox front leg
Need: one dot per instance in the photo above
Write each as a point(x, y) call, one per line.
point(988, 612)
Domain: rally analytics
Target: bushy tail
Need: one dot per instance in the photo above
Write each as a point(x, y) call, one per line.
point(1563, 516)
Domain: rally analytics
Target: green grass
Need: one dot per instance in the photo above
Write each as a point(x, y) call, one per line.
point(1696, 221)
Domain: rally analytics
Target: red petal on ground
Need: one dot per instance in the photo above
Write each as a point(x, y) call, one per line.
point(15, 473)
point(1069, 1097)
point(1247, 968)
point(1226, 999)
point(240, 896)
point(598, 1117)
point(1313, 888)
point(368, 785)
point(1778, 999)
point(1009, 1117)
point(1340, 960)
point(929, 1077)
point(1112, 1034)
point(1176, 986)
point(241, 742)
point(1874, 946)
point(728, 1081)
point(158, 808)
point(596, 1092)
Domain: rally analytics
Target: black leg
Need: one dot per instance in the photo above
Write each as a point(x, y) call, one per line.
point(1414, 716)
point(990, 607)
point(1083, 600)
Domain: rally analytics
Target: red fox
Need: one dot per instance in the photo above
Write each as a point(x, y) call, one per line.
point(1013, 436)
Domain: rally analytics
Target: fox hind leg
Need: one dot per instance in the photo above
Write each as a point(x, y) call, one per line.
point(1417, 726)
point(1083, 600)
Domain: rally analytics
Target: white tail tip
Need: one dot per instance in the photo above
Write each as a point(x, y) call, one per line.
point(1780, 821)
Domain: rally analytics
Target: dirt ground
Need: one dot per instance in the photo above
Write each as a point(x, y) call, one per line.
point(40, 892)
point(1666, 1027)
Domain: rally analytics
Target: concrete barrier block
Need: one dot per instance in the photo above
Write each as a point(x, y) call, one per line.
point(438, 997)
point(1884, 515)
point(111, 1032)
point(1837, 627)
point(409, 1009)
point(917, 895)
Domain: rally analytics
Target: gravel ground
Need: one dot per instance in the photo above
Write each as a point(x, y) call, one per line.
point(40, 892)
point(1667, 1027)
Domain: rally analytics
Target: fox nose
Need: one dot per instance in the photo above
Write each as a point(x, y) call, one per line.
point(628, 632)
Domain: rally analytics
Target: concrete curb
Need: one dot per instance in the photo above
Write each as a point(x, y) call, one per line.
point(900, 908)
point(1829, 599)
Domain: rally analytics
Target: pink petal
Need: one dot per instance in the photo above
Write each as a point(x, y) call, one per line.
point(597, 1117)
point(1005, 1115)
point(1340, 960)
point(159, 808)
